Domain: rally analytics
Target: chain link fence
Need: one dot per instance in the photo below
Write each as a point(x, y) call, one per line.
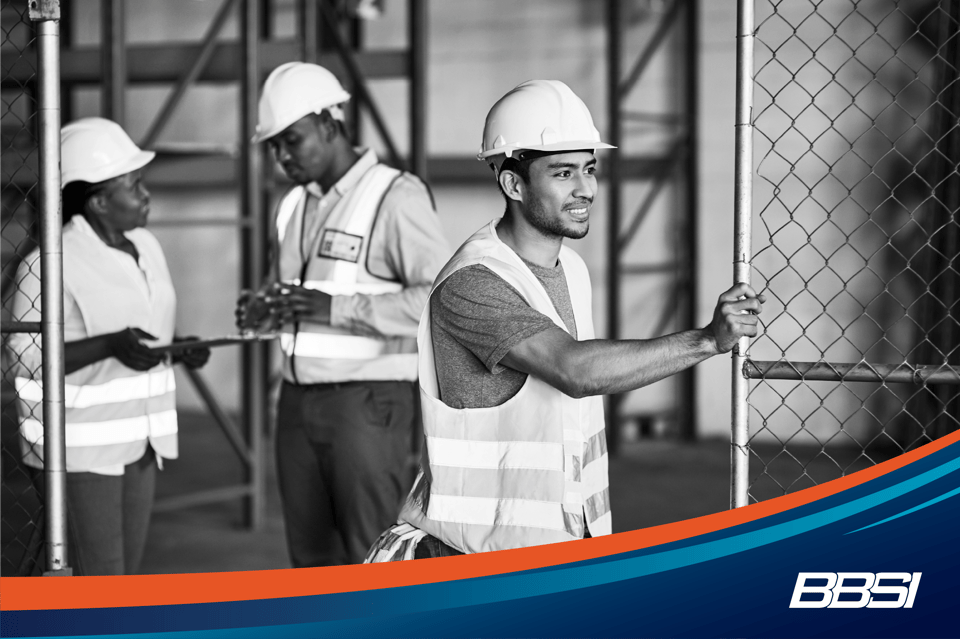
point(855, 236)
point(21, 516)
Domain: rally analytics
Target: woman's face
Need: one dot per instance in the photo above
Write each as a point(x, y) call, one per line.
point(125, 202)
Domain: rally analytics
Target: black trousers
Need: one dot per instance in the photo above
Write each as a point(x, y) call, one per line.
point(343, 461)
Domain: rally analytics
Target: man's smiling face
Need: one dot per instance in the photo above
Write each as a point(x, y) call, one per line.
point(560, 192)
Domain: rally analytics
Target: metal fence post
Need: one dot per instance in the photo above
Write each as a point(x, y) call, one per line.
point(47, 15)
point(743, 200)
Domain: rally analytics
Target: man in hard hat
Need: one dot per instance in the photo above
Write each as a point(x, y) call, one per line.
point(357, 246)
point(510, 373)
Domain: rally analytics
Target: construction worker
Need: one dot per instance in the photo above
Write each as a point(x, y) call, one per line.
point(510, 372)
point(357, 247)
point(118, 301)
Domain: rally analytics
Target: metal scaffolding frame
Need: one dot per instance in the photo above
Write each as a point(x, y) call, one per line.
point(677, 167)
point(326, 37)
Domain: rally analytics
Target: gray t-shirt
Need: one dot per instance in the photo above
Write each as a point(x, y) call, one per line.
point(477, 318)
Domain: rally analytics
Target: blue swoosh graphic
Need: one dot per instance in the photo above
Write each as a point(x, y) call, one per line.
point(955, 491)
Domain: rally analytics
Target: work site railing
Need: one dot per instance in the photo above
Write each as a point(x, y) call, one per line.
point(848, 146)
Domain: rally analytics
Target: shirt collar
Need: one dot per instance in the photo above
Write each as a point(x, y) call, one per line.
point(366, 160)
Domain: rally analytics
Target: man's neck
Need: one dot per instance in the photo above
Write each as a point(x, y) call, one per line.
point(344, 158)
point(527, 241)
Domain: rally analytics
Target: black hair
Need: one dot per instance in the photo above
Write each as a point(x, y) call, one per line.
point(520, 163)
point(75, 197)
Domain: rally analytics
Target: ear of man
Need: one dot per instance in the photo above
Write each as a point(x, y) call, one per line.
point(512, 184)
point(329, 127)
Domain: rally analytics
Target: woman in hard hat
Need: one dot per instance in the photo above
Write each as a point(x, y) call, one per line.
point(119, 302)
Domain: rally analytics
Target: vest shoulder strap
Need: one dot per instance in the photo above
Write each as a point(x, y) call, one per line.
point(293, 200)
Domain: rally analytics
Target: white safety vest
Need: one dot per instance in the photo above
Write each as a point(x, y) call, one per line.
point(112, 411)
point(337, 264)
point(531, 471)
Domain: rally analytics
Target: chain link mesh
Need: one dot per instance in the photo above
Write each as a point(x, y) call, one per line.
point(21, 515)
point(856, 235)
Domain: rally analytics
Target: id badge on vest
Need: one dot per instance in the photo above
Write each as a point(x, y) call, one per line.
point(337, 245)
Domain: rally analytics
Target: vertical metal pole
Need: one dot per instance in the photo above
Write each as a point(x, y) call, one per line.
point(614, 170)
point(688, 399)
point(743, 208)
point(417, 23)
point(253, 238)
point(51, 295)
point(113, 60)
point(309, 29)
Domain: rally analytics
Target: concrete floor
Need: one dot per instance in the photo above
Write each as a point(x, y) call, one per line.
point(652, 482)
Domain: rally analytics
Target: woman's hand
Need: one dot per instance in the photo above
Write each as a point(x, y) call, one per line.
point(126, 346)
point(191, 357)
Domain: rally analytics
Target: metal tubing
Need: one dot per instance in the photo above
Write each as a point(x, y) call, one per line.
point(417, 24)
point(659, 181)
point(196, 68)
point(353, 69)
point(743, 205)
point(51, 294)
point(688, 274)
point(20, 327)
point(226, 424)
point(640, 65)
point(308, 30)
point(202, 497)
point(253, 237)
point(113, 60)
point(614, 171)
point(859, 372)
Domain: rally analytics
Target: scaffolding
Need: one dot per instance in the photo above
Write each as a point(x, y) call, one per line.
point(327, 35)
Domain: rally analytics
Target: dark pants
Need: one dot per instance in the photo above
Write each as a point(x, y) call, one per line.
point(343, 454)
point(108, 517)
point(430, 548)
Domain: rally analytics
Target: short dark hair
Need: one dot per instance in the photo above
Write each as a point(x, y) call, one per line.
point(520, 163)
point(75, 196)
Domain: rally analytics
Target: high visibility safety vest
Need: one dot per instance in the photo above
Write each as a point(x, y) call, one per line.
point(112, 411)
point(531, 471)
point(337, 264)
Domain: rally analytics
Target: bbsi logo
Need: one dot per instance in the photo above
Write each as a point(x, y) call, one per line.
point(855, 590)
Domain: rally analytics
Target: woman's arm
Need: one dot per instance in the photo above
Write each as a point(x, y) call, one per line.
point(125, 345)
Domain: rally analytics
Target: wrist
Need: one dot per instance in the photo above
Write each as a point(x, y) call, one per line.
point(706, 342)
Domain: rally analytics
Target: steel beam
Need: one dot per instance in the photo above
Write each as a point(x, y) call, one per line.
point(417, 26)
point(164, 63)
point(191, 74)
point(113, 61)
point(614, 171)
point(252, 240)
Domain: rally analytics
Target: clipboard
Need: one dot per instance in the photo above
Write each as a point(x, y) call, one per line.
point(211, 342)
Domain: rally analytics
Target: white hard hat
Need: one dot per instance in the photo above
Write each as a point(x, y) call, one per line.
point(96, 149)
point(539, 115)
point(293, 90)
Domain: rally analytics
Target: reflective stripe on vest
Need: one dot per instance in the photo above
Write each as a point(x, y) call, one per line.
point(317, 353)
point(524, 473)
point(106, 418)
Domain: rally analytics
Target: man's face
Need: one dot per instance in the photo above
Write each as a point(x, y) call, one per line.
point(560, 193)
point(303, 150)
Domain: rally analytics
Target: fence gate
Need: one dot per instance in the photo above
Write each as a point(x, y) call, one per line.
point(32, 538)
point(854, 236)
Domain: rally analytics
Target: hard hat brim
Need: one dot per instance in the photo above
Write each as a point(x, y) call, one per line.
point(558, 147)
point(279, 128)
point(115, 170)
